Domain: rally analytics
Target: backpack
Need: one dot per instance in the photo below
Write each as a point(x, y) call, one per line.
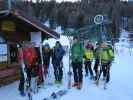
point(77, 53)
point(88, 55)
point(110, 53)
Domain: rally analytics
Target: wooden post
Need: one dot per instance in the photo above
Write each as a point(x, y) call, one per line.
point(8, 53)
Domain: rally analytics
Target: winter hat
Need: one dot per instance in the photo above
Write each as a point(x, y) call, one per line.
point(46, 45)
point(88, 46)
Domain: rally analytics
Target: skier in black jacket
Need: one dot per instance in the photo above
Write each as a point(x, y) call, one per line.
point(46, 57)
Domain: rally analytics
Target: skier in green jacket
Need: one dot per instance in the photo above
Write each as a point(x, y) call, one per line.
point(106, 57)
point(77, 52)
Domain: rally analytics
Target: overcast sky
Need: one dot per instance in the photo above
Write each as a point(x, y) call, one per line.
point(61, 0)
point(77, 0)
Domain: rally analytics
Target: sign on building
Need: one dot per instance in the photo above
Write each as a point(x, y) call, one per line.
point(3, 52)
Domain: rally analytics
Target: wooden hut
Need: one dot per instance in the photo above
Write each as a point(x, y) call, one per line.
point(15, 27)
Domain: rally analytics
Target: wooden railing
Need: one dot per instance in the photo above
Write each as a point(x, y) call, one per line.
point(8, 73)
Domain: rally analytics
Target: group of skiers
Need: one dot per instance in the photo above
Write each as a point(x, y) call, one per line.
point(102, 54)
point(35, 62)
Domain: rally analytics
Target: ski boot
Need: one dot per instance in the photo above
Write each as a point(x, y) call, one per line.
point(22, 93)
point(79, 86)
point(75, 85)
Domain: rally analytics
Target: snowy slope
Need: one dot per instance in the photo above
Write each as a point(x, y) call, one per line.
point(63, 40)
point(119, 88)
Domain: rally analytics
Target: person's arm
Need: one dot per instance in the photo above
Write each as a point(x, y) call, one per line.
point(63, 51)
point(84, 56)
point(53, 54)
point(111, 54)
point(82, 49)
point(71, 52)
point(92, 55)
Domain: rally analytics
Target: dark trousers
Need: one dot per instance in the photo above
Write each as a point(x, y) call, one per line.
point(106, 71)
point(88, 67)
point(58, 72)
point(46, 66)
point(22, 79)
point(40, 74)
point(28, 71)
point(97, 62)
point(77, 71)
point(21, 84)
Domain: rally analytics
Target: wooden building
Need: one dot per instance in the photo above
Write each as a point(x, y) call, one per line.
point(16, 27)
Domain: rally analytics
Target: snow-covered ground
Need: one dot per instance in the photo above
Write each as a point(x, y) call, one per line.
point(119, 88)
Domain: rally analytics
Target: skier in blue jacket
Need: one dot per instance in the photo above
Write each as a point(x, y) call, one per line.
point(57, 56)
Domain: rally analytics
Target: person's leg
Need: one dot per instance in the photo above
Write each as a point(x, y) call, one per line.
point(28, 71)
point(46, 65)
point(21, 84)
point(55, 72)
point(40, 74)
point(45, 69)
point(104, 67)
point(108, 73)
point(80, 75)
point(60, 73)
point(74, 66)
point(90, 69)
point(86, 68)
point(96, 69)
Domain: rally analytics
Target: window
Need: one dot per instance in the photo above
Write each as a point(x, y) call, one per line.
point(4, 5)
point(3, 52)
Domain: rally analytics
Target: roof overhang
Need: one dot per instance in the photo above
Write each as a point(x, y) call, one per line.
point(25, 24)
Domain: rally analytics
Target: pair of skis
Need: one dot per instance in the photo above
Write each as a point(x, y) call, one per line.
point(56, 95)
